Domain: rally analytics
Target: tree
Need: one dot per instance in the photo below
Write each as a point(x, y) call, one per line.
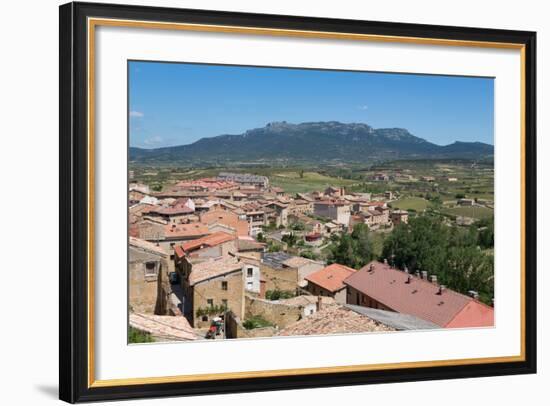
point(354, 250)
point(486, 234)
point(290, 239)
point(450, 253)
point(469, 269)
point(260, 237)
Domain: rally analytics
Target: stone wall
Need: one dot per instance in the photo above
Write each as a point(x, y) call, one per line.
point(147, 293)
point(213, 289)
point(281, 315)
point(281, 279)
point(235, 329)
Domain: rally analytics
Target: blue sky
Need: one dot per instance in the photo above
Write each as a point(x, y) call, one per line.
point(176, 104)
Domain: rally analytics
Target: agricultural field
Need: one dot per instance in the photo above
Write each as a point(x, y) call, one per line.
point(476, 212)
point(298, 182)
point(411, 203)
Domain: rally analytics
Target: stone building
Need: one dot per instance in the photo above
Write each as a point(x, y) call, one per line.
point(338, 211)
point(211, 287)
point(282, 271)
point(399, 217)
point(379, 286)
point(148, 277)
point(329, 282)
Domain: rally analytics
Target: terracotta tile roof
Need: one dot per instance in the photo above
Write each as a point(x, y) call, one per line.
point(331, 277)
point(245, 244)
point(202, 271)
point(185, 230)
point(419, 297)
point(173, 210)
point(210, 240)
point(206, 183)
point(333, 320)
point(147, 246)
point(227, 218)
point(296, 262)
point(172, 328)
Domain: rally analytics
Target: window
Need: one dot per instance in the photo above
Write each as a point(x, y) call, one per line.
point(224, 303)
point(151, 268)
point(224, 285)
point(250, 272)
point(204, 318)
point(210, 302)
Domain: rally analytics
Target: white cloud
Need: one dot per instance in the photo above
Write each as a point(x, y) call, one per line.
point(136, 114)
point(363, 107)
point(153, 141)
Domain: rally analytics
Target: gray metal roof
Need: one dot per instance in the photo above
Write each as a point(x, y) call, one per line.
point(275, 259)
point(399, 321)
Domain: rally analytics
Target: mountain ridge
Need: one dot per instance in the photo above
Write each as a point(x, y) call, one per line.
point(313, 141)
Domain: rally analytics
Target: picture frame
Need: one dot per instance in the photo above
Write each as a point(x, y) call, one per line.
point(77, 286)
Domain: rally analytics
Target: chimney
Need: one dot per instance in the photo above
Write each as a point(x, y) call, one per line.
point(385, 261)
point(424, 274)
point(473, 294)
point(433, 279)
point(406, 269)
point(417, 273)
point(441, 289)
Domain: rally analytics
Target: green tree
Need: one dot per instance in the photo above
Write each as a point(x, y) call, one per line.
point(290, 239)
point(354, 250)
point(450, 253)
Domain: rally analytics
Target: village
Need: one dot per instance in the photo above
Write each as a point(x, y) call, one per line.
point(232, 256)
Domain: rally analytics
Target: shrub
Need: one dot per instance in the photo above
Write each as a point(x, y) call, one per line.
point(277, 294)
point(137, 336)
point(256, 322)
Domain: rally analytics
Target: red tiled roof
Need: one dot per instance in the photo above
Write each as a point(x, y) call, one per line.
point(419, 298)
point(211, 240)
point(185, 230)
point(173, 210)
point(331, 277)
point(213, 268)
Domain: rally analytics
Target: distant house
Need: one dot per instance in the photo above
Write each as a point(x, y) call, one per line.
point(338, 211)
point(465, 202)
point(329, 281)
point(427, 178)
point(279, 214)
point(300, 207)
point(399, 217)
point(380, 286)
point(228, 218)
point(210, 246)
point(380, 177)
point(377, 217)
point(255, 215)
point(282, 271)
point(177, 213)
point(245, 179)
point(335, 191)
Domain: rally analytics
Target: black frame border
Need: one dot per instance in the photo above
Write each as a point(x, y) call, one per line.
point(73, 178)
